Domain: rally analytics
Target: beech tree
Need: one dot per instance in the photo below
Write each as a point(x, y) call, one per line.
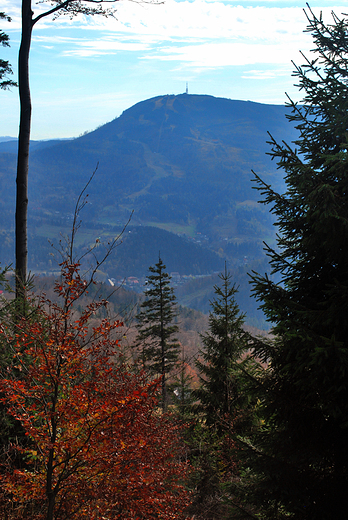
point(70, 8)
point(5, 67)
point(96, 448)
point(156, 329)
point(301, 453)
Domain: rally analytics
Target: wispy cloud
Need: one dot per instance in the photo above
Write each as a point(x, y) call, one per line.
point(265, 74)
point(228, 48)
point(207, 32)
point(224, 54)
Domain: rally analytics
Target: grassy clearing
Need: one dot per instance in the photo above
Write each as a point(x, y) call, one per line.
point(187, 229)
point(58, 232)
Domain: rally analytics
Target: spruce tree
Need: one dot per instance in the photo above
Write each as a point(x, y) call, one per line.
point(224, 410)
point(183, 396)
point(301, 454)
point(156, 328)
point(221, 394)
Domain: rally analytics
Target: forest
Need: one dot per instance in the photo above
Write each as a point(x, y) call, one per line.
point(115, 406)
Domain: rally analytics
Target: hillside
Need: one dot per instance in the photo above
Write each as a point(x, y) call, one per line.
point(184, 161)
point(181, 164)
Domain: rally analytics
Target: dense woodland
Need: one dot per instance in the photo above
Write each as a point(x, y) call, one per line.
point(115, 406)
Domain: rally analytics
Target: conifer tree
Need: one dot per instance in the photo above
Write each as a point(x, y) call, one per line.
point(221, 393)
point(224, 410)
point(301, 454)
point(183, 396)
point(156, 327)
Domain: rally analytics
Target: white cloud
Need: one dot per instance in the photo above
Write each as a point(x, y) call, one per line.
point(177, 17)
point(100, 47)
point(202, 32)
point(265, 74)
point(87, 47)
point(221, 54)
point(200, 21)
point(232, 48)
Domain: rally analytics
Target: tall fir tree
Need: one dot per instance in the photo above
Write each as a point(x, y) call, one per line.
point(221, 394)
point(301, 454)
point(156, 328)
point(182, 383)
point(224, 407)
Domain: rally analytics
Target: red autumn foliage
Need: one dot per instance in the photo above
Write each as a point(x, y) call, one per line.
point(98, 448)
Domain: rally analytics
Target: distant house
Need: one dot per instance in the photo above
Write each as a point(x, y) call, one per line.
point(175, 277)
point(132, 280)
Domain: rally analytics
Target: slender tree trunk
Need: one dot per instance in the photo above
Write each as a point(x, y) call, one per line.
point(23, 152)
point(164, 382)
point(51, 489)
point(51, 495)
point(163, 355)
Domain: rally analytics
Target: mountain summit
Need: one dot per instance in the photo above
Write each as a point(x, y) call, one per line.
point(182, 163)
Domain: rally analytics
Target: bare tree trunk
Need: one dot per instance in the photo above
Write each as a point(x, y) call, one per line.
point(51, 495)
point(23, 152)
point(164, 382)
point(163, 354)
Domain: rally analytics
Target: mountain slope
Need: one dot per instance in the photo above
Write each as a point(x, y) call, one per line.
point(182, 163)
point(182, 159)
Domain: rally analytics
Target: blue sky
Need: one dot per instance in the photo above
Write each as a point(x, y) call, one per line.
point(85, 72)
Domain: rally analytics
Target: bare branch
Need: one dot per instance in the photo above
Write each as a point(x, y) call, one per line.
point(75, 7)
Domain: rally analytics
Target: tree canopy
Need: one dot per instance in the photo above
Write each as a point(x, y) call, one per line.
point(301, 452)
point(95, 446)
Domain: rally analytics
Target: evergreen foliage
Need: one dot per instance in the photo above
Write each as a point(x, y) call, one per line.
point(225, 408)
point(221, 393)
point(183, 396)
point(301, 454)
point(156, 329)
point(5, 67)
point(11, 431)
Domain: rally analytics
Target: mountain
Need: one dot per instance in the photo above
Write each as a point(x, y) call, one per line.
point(182, 163)
point(10, 144)
point(7, 138)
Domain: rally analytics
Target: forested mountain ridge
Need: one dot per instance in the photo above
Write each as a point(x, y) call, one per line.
point(180, 160)
point(182, 163)
point(252, 425)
